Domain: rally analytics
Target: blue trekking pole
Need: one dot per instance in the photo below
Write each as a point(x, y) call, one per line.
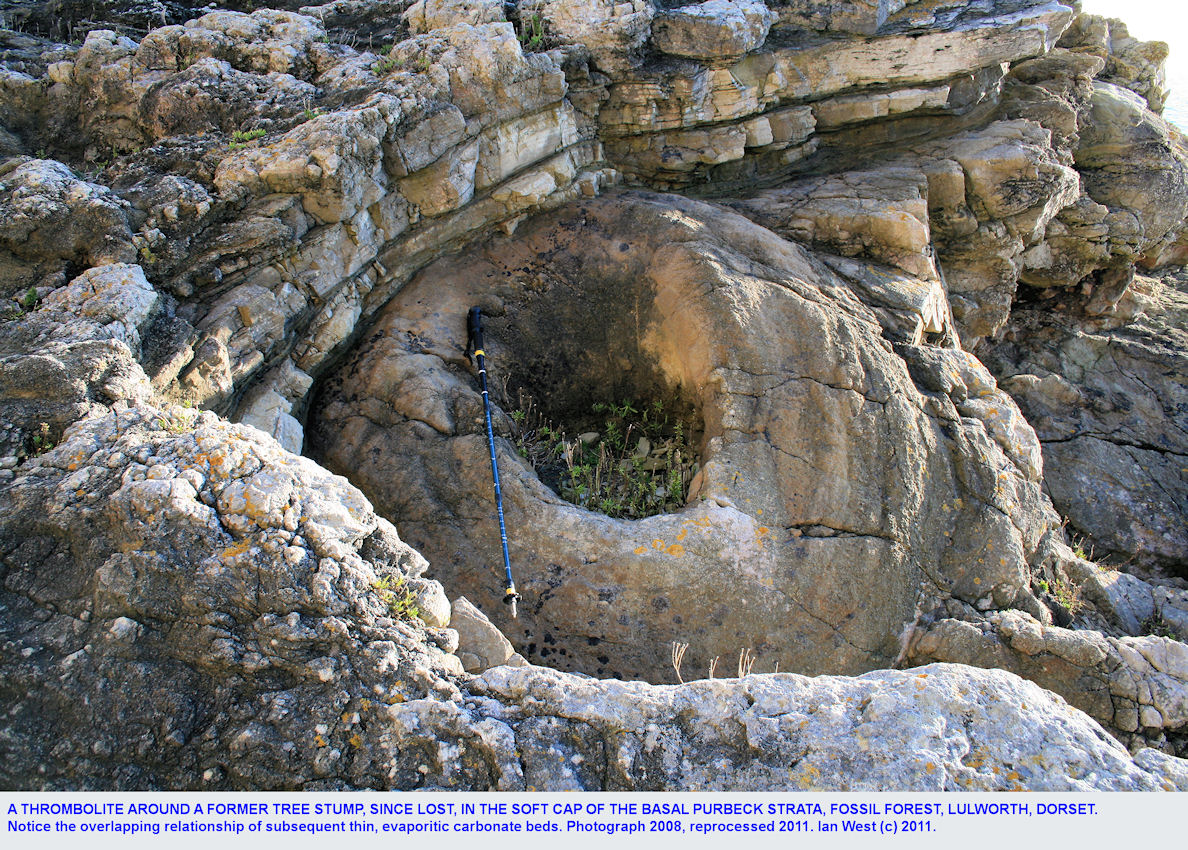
point(474, 343)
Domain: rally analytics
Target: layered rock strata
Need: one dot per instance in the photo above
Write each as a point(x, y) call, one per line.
point(224, 210)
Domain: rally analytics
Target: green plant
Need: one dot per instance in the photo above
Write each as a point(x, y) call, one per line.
point(311, 113)
point(18, 307)
point(146, 254)
point(393, 591)
point(241, 138)
point(37, 443)
point(41, 440)
point(1067, 595)
point(177, 421)
point(531, 33)
point(1157, 626)
point(630, 462)
point(389, 63)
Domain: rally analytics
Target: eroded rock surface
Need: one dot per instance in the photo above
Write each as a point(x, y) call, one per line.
point(816, 550)
point(1108, 397)
point(221, 604)
point(223, 209)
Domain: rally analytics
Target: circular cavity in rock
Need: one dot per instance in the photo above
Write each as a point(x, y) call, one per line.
point(835, 500)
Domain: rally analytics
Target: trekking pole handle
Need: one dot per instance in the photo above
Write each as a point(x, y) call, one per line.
point(474, 332)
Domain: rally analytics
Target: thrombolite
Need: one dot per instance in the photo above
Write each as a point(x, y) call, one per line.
point(281, 219)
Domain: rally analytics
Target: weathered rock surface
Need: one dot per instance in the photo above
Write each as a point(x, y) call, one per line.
point(207, 592)
point(480, 645)
point(718, 29)
point(233, 616)
point(1137, 65)
point(1127, 683)
point(1108, 397)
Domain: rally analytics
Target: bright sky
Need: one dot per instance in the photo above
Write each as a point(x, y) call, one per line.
point(1161, 20)
point(1156, 20)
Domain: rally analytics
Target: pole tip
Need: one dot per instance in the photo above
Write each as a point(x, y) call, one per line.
point(511, 598)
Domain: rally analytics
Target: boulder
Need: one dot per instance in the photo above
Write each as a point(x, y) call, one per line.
point(480, 644)
point(1135, 164)
point(245, 601)
point(718, 29)
point(1137, 65)
point(614, 32)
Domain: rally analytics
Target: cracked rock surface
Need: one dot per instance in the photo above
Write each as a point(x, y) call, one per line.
point(904, 319)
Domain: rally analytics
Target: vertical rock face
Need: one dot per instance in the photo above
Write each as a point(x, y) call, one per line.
point(283, 217)
point(1107, 397)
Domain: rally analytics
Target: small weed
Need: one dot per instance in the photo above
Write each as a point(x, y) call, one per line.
point(532, 33)
point(177, 422)
point(311, 113)
point(147, 255)
point(746, 660)
point(639, 464)
point(678, 657)
point(41, 442)
point(19, 307)
point(37, 443)
point(388, 64)
point(394, 593)
point(1067, 595)
point(1157, 626)
point(241, 138)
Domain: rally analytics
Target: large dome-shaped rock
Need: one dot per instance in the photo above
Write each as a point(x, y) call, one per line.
point(835, 498)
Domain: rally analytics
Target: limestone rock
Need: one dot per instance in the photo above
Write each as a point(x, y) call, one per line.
point(269, 406)
point(50, 218)
point(1136, 65)
point(1103, 395)
point(118, 298)
point(1131, 684)
point(480, 644)
point(866, 492)
point(426, 15)
point(253, 558)
point(787, 522)
point(881, 215)
point(1150, 183)
point(718, 29)
point(73, 354)
point(863, 17)
point(613, 31)
point(839, 734)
